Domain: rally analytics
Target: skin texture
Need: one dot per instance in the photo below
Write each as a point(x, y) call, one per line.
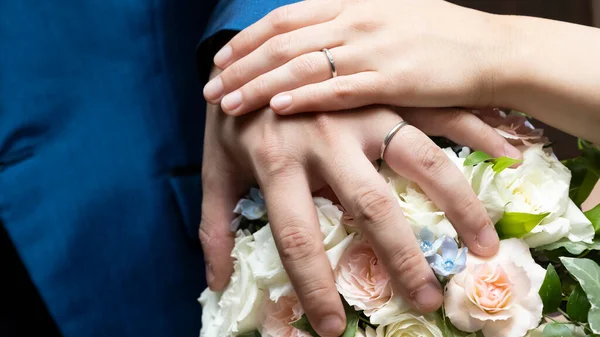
point(593, 200)
point(427, 53)
point(272, 151)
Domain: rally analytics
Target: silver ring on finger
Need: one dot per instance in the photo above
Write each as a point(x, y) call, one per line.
point(389, 136)
point(331, 61)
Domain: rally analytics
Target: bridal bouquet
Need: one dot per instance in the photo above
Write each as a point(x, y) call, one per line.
point(544, 281)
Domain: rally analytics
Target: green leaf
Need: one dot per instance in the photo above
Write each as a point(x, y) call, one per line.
point(578, 305)
point(587, 273)
point(575, 248)
point(594, 216)
point(352, 318)
point(516, 225)
point(551, 290)
point(557, 330)
point(503, 163)
point(585, 172)
point(520, 113)
point(304, 325)
point(476, 157)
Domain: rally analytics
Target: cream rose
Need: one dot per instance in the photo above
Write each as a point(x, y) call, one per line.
point(541, 185)
point(265, 261)
point(235, 310)
point(408, 325)
point(417, 207)
point(498, 295)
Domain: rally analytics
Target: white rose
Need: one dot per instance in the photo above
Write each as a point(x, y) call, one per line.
point(481, 179)
point(417, 207)
point(266, 263)
point(408, 325)
point(497, 295)
point(541, 185)
point(237, 309)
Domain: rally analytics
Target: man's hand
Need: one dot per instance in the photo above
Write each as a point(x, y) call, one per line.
point(290, 157)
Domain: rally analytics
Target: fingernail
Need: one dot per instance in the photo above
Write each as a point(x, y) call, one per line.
point(213, 89)
point(223, 56)
point(331, 326)
point(487, 237)
point(281, 102)
point(210, 275)
point(511, 151)
point(428, 297)
point(232, 101)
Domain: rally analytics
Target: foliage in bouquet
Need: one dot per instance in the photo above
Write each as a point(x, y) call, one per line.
point(544, 281)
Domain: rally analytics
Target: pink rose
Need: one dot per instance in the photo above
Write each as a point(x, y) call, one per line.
point(498, 295)
point(278, 316)
point(514, 127)
point(361, 279)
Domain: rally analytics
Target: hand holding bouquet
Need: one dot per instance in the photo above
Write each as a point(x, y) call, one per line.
point(539, 283)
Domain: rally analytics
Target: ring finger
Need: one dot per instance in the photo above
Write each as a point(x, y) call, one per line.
point(413, 155)
point(273, 53)
point(306, 69)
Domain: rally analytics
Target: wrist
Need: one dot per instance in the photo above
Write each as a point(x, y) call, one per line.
point(510, 74)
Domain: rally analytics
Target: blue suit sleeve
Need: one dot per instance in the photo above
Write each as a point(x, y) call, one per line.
point(238, 14)
point(231, 16)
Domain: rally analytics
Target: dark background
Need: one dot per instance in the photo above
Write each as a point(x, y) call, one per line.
point(576, 11)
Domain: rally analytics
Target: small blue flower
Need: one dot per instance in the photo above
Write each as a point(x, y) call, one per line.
point(429, 245)
point(449, 262)
point(253, 208)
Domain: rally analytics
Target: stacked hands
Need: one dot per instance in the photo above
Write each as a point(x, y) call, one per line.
point(394, 60)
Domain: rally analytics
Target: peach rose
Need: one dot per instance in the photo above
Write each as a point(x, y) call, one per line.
point(278, 316)
point(498, 295)
point(361, 279)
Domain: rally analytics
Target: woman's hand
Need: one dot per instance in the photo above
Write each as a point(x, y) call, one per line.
point(272, 151)
point(426, 53)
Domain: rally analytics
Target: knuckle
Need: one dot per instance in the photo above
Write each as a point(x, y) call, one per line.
point(231, 75)
point(242, 40)
point(303, 66)
point(295, 241)
point(430, 158)
point(208, 236)
point(315, 291)
point(372, 205)
point(365, 26)
point(407, 262)
point(272, 156)
point(456, 117)
point(278, 47)
point(280, 19)
point(259, 87)
point(272, 160)
point(343, 89)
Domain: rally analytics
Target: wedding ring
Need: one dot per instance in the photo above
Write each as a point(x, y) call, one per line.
point(331, 61)
point(389, 136)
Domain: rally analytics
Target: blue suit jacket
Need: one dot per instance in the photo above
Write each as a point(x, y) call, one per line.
point(101, 129)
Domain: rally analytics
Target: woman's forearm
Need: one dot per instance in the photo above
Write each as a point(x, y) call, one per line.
point(551, 70)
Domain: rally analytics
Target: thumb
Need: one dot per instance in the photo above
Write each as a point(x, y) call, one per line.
point(220, 196)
